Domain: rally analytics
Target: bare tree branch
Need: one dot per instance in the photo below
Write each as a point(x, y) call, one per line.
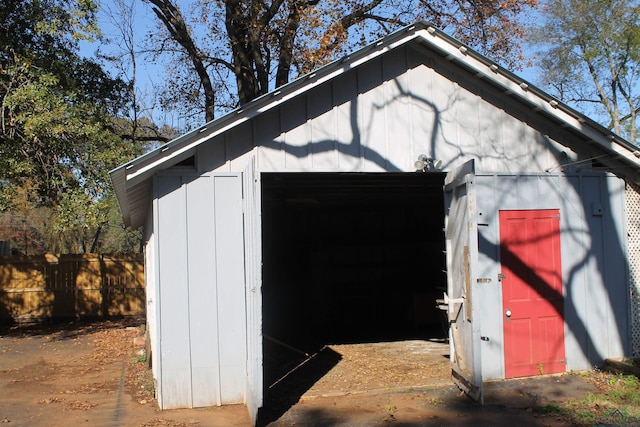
point(173, 20)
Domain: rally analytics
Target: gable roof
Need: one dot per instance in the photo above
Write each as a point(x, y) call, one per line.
point(132, 181)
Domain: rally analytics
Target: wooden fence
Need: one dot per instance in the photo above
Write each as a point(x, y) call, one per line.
point(64, 286)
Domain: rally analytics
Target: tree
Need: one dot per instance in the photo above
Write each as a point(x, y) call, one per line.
point(263, 44)
point(590, 58)
point(123, 54)
point(60, 147)
point(61, 129)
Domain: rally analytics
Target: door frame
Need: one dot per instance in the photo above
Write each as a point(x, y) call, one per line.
point(252, 219)
point(462, 298)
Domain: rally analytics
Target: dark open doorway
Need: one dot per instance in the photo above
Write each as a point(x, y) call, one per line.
point(349, 258)
point(352, 257)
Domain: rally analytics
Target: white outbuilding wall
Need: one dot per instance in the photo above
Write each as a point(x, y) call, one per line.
point(384, 114)
point(375, 113)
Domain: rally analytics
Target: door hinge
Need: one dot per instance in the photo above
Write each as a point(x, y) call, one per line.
point(501, 276)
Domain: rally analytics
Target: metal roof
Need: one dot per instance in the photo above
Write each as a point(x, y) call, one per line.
point(132, 181)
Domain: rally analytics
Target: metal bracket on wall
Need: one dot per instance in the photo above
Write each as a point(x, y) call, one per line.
point(453, 313)
point(448, 300)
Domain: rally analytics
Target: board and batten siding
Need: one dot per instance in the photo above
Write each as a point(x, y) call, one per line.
point(382, 115)
point(593, 250)
point(200, 308)
point(152, 297)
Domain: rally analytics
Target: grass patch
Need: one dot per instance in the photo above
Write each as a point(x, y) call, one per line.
point(550, 409)
point(635, 362)
point(617, 402)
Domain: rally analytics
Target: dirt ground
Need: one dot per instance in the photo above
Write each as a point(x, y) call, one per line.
point(93, 374)
point(90, 374)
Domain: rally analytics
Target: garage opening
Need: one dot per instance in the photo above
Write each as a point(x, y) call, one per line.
point(348, 258)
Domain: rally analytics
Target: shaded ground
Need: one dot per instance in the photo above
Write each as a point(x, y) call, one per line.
point(510, 403)
point(87, 374)
point(93, 374)
point(351, 369)
point(407, 383)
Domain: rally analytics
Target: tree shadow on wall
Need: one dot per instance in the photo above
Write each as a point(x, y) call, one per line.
point(601, 247)
point(441, 116)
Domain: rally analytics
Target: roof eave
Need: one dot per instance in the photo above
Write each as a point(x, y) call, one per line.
point(143, 168)
point(119, 184)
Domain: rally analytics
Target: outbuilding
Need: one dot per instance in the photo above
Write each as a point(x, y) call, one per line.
point(347, 202)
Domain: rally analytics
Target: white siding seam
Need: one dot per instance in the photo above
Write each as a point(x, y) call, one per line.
point(409, 81)
point(610, 316)
point(387, 96)
point(496, 226)
point(360, 124)
point(334, 125)
point(158, 297)
point(308, 125)
point(282, 138)
point(184, 187)
point(588, 343)
point(218, 385)
point(244, 187)
point(255, 140)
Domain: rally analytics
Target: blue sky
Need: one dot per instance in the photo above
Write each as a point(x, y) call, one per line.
point(151, 75)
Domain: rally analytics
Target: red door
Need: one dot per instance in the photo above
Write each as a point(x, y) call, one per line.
point(532, 292)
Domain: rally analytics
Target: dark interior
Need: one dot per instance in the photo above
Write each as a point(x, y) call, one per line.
point(347, 258)
point(352, 257)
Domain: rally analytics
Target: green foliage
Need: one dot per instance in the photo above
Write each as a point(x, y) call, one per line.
point(590, 58)
point(53, 135)
point(551, 408)
point(625, 388)
point(59, 130)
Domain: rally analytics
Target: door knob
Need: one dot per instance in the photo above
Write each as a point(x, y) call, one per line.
point(508, 313)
